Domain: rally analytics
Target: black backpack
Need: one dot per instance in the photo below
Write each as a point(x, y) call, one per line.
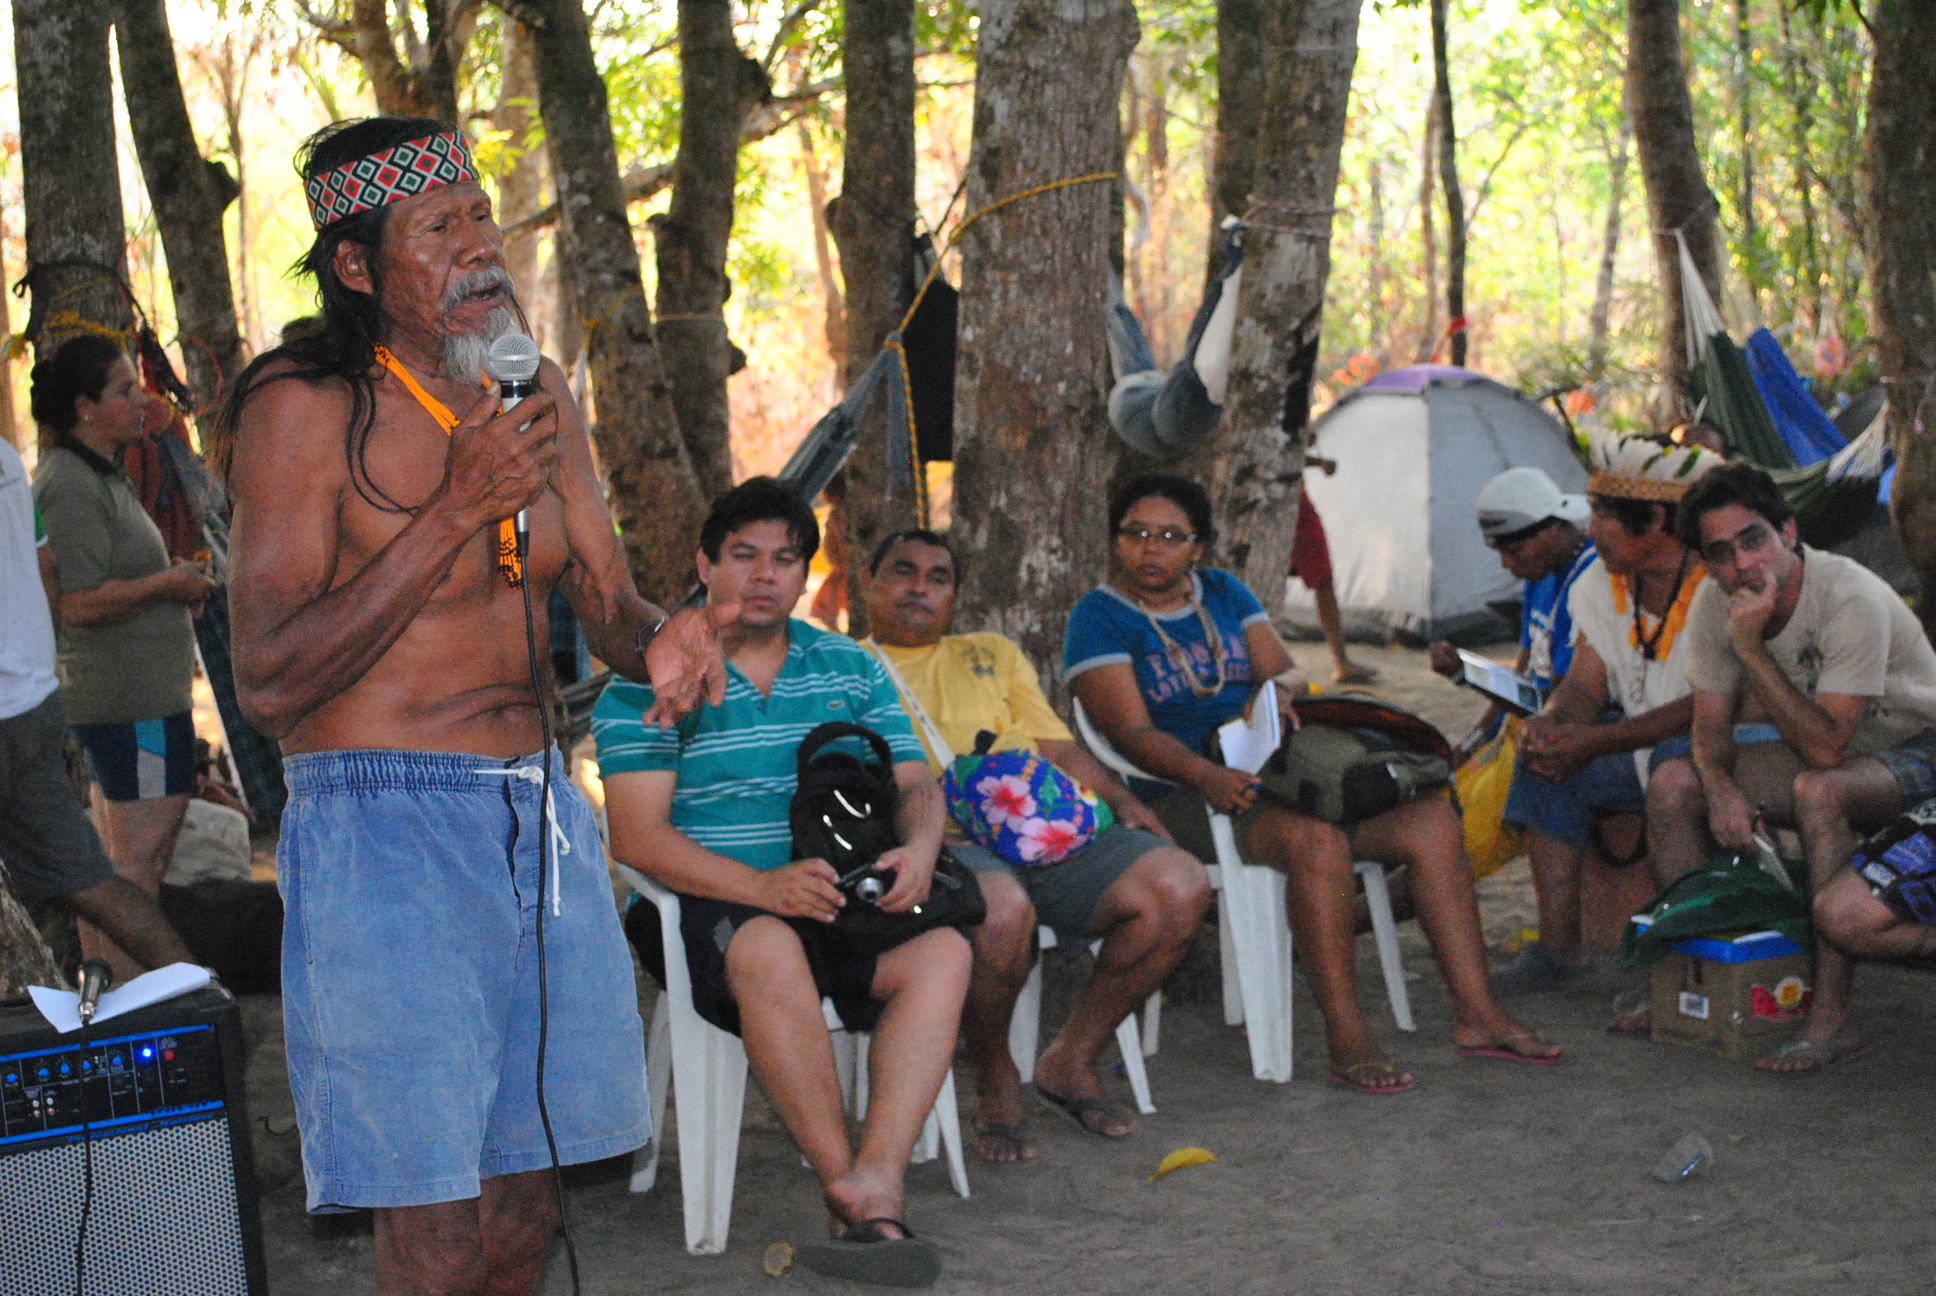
point(843, 809)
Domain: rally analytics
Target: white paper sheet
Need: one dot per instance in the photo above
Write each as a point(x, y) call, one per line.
point(1248, 744)
point(61, 1008)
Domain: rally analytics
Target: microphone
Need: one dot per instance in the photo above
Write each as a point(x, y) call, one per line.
point(96, 977)
point(512, 363)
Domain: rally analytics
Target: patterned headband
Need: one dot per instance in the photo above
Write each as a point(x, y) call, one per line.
point(404, 171)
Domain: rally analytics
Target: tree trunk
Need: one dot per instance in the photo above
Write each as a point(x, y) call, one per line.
point(24, 957)
point(70, 174)
point(1449, 181)
point(1240, 100)
point(1596, 350)
point(1744, 140)
point(873, 225)
point(1033, 447)
point(9, 419)
point(1280, 309)
point(189, 194)
point(1428, 241)
point(718, 87)
point(422, 82)
point(655, 496)
point(1797, 81)
point(1902, 99)
point(1677, 194)
point(833, 302)
point(520, 190)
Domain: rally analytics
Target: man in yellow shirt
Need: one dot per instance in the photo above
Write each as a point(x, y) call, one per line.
point(1130, 886)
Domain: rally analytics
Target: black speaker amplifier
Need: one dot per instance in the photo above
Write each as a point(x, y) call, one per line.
point(154, 1099)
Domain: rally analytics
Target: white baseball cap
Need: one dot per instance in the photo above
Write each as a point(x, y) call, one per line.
point(1519, 498)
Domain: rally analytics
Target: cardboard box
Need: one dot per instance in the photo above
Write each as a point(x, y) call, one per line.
point(1732, 993)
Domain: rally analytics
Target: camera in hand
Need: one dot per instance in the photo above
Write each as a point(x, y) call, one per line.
point(868, 883)
point(843, 809)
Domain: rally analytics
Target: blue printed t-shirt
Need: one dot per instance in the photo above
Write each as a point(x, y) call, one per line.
point(1546, 628)
point(1107, 628)
point(736, 761)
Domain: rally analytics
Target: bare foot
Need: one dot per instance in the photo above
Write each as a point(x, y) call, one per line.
point(1347, 672)
point(1003, 1134)
point(862, 1195)
point(1074, 1087)
point(1498, 1035)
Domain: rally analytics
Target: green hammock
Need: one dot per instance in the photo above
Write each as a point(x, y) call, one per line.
point(1833, 499)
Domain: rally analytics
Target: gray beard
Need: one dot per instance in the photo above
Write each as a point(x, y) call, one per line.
point(464, 352)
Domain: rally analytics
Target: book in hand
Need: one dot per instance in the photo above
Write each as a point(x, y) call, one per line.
point(1515, 692)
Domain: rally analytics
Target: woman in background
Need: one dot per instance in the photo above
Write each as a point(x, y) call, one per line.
point(127, 640)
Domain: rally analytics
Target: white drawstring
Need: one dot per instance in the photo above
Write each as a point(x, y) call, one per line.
point(560, 842)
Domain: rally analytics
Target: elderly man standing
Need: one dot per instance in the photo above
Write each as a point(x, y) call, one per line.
point(1819, 655)
point(1130, 886)
point(458, 998)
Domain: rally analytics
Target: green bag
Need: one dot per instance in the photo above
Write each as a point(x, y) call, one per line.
point(1728, 893)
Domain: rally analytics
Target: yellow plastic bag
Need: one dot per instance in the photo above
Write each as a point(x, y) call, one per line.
point(1483, 783)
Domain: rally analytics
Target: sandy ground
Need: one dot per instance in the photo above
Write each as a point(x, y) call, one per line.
point(1488, 1177)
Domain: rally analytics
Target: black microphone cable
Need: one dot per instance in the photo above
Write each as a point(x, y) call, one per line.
point(87, 1166)
point(544, 851)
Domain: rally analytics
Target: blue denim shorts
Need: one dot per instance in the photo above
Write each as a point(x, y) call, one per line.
point(410, 977)
point(1564, 811)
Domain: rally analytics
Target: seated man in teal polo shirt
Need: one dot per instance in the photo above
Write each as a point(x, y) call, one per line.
point(702, 809)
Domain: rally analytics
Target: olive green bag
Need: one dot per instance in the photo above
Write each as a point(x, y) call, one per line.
point(1351, 759)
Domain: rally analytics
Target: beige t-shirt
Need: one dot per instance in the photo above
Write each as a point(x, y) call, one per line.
point(1849, 634)
point(1638, 680)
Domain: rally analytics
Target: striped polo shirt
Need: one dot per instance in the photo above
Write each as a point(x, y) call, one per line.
point(736, 761)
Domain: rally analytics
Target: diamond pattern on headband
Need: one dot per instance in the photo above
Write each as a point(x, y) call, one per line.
point(408, 169)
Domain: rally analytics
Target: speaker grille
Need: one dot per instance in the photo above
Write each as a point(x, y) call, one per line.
point(164, 1217)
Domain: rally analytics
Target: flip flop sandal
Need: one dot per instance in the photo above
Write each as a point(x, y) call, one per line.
point(1344, 1078)
point(1818, 1053)
point(1497, 1049)
point(1076, 1108)
point(863, 1253)
point(1018, 1134)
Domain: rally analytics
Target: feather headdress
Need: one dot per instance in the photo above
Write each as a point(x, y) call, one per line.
point(1638, 468)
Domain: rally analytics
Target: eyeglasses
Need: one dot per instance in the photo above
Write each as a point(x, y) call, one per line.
point(1752, 538)
point(1168, 539)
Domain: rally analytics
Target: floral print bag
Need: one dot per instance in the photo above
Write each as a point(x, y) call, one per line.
point(1020, 806)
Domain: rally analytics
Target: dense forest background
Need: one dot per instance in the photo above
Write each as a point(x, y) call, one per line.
point(1561, 284)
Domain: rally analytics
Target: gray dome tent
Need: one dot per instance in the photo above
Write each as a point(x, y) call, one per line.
point(1413, 447)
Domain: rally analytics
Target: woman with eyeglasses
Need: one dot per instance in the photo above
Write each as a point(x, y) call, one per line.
point(1166, 652)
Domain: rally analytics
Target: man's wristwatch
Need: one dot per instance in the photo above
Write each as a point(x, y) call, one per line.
point(642, 637)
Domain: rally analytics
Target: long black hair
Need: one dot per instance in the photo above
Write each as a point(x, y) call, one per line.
point(340, 342)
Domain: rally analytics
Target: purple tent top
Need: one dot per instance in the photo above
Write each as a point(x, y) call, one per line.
point(1416, 378)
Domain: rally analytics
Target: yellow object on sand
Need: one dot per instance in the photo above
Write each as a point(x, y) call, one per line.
point(778, 1259)
point(1183, 1159)
point(1483, 783)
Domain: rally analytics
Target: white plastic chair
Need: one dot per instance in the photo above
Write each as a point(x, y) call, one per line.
point(708, 1067)
point(1025, 1030)
point(1255, 933)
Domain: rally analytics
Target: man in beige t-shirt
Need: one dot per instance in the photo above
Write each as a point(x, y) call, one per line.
point(1822, 650)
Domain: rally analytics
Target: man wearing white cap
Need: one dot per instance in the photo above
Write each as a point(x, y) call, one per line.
point(1536, 530)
